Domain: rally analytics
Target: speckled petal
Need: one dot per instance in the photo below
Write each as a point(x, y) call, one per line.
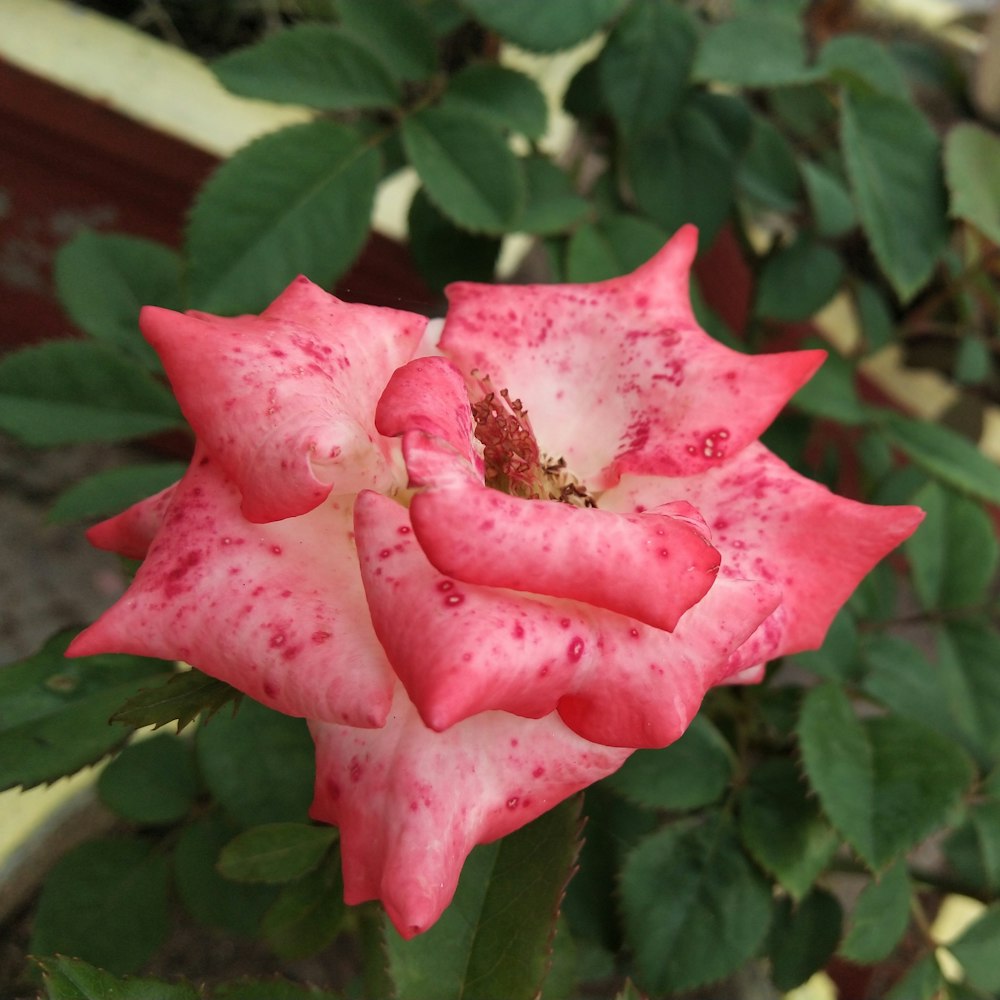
point(461, 649)
point(617, 376)
point(277, 610)
point(773, 525)
point(285, 401)
point(428, 395)
point(131, 532)
point(643, 686)
point(411, 803)
point(483, 536)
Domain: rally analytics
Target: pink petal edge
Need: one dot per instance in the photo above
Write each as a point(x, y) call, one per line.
point(277, 610)
point(286, 400)
point(480, 535)
point(773, 525)
point(617, 376)
point(461, 649)
point(411, 803)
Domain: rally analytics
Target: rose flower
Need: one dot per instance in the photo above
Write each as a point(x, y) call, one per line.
point(485, 570)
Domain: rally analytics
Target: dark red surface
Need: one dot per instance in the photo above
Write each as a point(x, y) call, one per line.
point(67, 162)
point(726, 281)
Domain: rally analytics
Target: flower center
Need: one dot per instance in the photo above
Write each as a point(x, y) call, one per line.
point(513, 462)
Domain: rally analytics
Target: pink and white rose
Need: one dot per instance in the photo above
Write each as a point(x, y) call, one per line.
point(487, 569)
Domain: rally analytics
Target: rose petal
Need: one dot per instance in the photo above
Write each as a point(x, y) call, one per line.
point(286, 400)
point(131, 532)
point(428, 395)
point(643, 687)
point(483, 536)
point(411, 803)
point(461, 649)
point(276, 610)
point(618, 376)
point(773, 525)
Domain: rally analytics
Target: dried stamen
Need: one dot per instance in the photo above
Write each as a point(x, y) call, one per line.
point(512, 460)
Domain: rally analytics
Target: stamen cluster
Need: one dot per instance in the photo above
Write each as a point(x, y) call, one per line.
point(513, 462)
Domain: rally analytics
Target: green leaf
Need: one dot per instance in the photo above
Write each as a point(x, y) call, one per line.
point(892, 157)
point(275, 852)
point(70, 391)
point(467, 168)
point(308, 914)
point(684, 171)
point(276, 749)
point(584, 99)
point(500, 96)
point(444, 253)
point(874, 315)
point(972, 171)
point(151, 781)
point(905, 681)
point(271, 989)
point(495, 938)
point(106, 493)
point(573, 962)
point(798, 280)
point(984, 820)
point(695, 908)
point(397, 32)
point(782, 827)
point(803, 938)
point(645, 63)
point(790, 11)
point(614, 246)
point(968, 652)
point(945, 455)
point(312, 64)
point(974, 363)
point(768, 171)
point(629, 992)
point(976, 951)
point(861, 59)
point(885, 782)
point(837, 658)
point(121, 887)
point(755, 49)
point(875, 597)
point(832, 207)
point(104, 279)
point(294, 201)
point(804, 112)
point(614, 826)
point(180, 698)
point(552, 206)
point(954, 554)
point(924, 981)
point(207, 896)
point(880, 917)
point(958, 694)
point(556, 24)
point(72, 979)
point(444, 16)
point(693, 772)
point(832, 393)
point(54, 712)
